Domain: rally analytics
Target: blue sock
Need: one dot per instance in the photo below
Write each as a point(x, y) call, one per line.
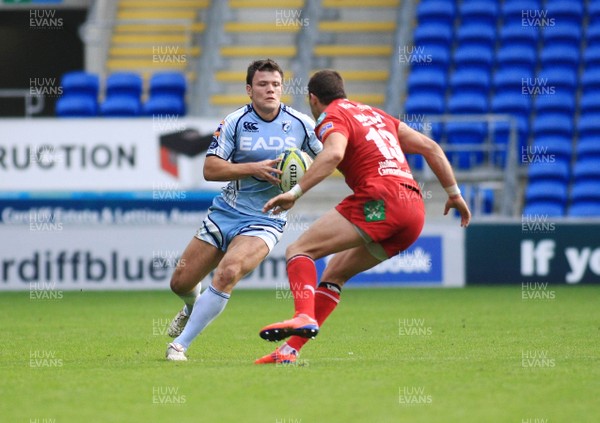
point(190, 298)
point(207, 307)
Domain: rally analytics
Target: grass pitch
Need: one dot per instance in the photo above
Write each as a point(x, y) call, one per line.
point(385, 355)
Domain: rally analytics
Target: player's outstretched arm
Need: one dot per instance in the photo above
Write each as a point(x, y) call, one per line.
point(414, 142)
point(325, 163)
point(218, 169)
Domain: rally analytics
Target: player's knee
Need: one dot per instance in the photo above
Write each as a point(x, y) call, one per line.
point(179, 283)
point(226, 276)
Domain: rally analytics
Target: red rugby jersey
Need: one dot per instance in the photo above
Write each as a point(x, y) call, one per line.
point(373, 150)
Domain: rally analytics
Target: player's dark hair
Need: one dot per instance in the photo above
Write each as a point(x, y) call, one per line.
point(262, 65)
point(327, 85)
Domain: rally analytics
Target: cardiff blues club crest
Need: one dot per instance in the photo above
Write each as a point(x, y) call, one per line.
point(286, 125)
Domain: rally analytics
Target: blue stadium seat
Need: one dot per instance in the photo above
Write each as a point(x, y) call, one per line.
point(593, 12)
point(433, 35)
point(585, 209)
point(591, 80)
point(512, 11)
point(466, 132)
point(588, 147)
point(549, 149)
point(511, 80)
point(557, 80)
point(473, 58)
point(544, 208)
point(168, 83)
point(591, 57)
point(551, 125)
point(589, 126)
point(565, 34)
point(76, 105)
point(440, 58)
point(120, 106)
point(124, 84)
point(474, 81)
point(80, 82)
point(438, 12)
point(592, 35)
point(565, 11)
point(546, 191)
point(551, 171)
point(517, 57)
point(558, 103)
point(476, 35)
point(519, 35)
point(164, 105)
point(585, 191)
point(424, 103)
point(482, 11)
point(590, 102)
point(560, 56)
point(587, 169)
point(423, 78)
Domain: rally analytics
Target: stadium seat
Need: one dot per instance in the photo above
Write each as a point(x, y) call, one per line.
point(482, 12)
point(558, 103)
point(590, 102)
point(76, 105)
point(512, 11)
point(546, 191)
point(423, 78)
point(553, 125)
point(591, 80)
point(433, 35)
point(587, 169)
point(517, 57)
point(438, 12)
point(425, 103)
point(565, 11)
point(511, 80)
point(550, 171)
point(585, 191)
point(163, 104)
point(126, 84)
point(79, 82)
point(440, 58)
point(589, 126)
point(560, 56)
point(565, 34)
point(593, 12)
point(544, 208)
point(585, 209)
point(476, 35)
point(168, 83)
point(465, 132)
point(592, 35)
point(474, 81)
point(519, 35)
point(554, 80)
point(591, 57)
point(120, 106)
point(473, 57)
point(549, 149)
point(588, 148)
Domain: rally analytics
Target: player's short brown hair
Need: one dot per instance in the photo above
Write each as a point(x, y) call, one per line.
point(327, 85)
point(262, 65)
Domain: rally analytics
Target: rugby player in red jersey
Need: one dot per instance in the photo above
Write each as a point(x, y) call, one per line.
point(383, 217)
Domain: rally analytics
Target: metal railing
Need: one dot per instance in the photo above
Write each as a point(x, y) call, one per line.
point(34, 103)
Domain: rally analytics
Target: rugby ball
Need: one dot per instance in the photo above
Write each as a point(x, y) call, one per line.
point(294, 163)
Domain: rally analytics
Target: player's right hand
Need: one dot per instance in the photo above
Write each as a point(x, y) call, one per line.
point(267, 171)
point(459, 203)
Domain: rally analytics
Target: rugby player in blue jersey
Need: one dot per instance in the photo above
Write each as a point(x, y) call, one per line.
point(236, 235)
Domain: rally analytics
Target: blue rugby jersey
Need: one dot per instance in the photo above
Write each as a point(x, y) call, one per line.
point(243, 136)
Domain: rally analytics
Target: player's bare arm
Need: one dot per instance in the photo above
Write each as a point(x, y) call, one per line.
point(413, 142)
point(217, 169)
point(325, 163)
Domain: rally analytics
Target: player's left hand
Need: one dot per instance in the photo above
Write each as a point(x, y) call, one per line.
point(458, 203)
point(280, 203)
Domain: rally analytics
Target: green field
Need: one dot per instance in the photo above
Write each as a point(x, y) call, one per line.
point(385, 355)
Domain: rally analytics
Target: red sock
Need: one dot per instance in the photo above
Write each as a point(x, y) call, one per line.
point(302, 274)
point(326, 300)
